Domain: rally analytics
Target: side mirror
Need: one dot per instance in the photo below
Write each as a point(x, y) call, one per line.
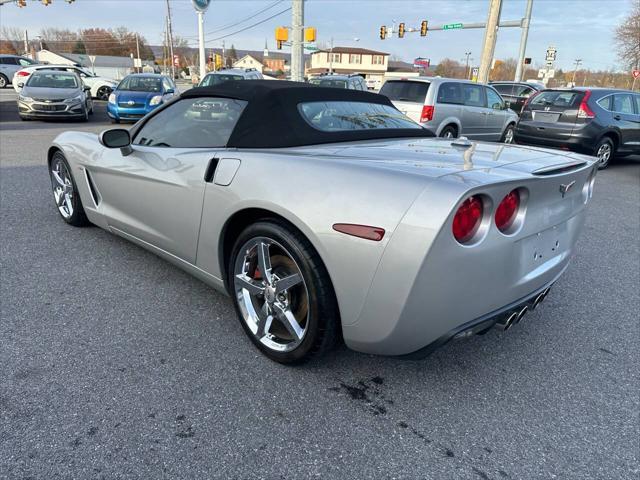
point(117, 138)
point(507, 105)
point(86, 88)
point(21, 84)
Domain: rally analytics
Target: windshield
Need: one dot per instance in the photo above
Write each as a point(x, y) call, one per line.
point(326, 82)
point(52, 80)
point(339, 116)
point(211, 80)
point(141, 84)
point(405, 91)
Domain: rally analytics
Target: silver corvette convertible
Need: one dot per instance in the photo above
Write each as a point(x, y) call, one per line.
point(326, 214)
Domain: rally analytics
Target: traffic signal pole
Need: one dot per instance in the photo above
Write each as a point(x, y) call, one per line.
point(490, 37)
point(523, 41)
point(297, 51)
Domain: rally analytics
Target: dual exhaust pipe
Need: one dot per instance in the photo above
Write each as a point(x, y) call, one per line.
point(514, 316)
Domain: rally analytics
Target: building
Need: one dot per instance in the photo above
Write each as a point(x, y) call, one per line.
point(249, 61)
point(268, 62)
point(103, 65)
point(346, 60)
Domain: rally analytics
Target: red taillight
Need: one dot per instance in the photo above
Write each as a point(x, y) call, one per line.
point(584, 111)
point(507, 210)
point(427, 113)
point(362, 231)
point(22, 73)
point(467, 219)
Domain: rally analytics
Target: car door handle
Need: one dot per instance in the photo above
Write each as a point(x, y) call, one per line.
point(211, 170)
point(617, 117)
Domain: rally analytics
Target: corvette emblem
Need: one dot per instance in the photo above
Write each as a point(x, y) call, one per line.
point(564, 188)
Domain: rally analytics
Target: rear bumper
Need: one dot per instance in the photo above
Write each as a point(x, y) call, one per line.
point(579, 140)
point(428, 288)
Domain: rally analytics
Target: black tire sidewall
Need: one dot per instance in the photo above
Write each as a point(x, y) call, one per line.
point(506, 130)
point(448, 129)
point(6, 81)
point(322, 304)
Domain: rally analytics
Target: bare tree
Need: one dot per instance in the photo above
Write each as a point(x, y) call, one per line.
point(450, 68)
point(627, 38)
point(11, 38)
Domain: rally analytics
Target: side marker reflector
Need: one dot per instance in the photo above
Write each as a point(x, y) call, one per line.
point(362, 231)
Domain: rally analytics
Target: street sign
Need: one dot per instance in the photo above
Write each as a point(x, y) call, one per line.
point(92, 59)
point(549, 63)
point(451, 26)
point(311, 48)
point(421, 62)
point(474, 74)
point(636, 74)
point(137, 62)
point(551, 54)
point(541, 72)
point(200, 5)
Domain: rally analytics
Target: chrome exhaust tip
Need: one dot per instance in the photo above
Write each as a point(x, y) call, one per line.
point(509, 320)
point(521, 313)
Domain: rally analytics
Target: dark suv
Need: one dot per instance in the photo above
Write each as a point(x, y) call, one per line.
point(517, 93)
point(595, 121)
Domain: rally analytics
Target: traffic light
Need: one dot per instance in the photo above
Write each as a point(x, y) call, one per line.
point(401, 30)
point(46, 3)
point(383, 32)
point(279, 44)
point(424, 26)
point(310, 34)
point(527, 61)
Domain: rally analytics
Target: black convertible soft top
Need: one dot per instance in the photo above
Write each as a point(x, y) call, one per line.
point(271, 118)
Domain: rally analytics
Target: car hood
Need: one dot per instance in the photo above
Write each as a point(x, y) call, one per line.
point(435, 157)
point(138, 97)
point(49, 93)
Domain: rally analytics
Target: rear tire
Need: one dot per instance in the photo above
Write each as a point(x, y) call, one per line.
point(507, 136)
point(304, 316)
point(449, 132)
point(605, 150)
point(4, 81)
point(65, 192)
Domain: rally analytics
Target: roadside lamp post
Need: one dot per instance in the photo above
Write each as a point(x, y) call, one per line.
point(201, 7)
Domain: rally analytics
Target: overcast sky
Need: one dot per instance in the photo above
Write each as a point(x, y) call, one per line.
point(577, 28)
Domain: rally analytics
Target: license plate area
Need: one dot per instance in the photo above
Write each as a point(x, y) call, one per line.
point(548, 117)
point(536, 250)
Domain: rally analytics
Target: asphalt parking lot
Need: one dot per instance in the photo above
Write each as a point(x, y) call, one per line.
point(116, 364)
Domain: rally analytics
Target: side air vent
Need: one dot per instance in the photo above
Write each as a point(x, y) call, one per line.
point(557, 169)
point(92, 188)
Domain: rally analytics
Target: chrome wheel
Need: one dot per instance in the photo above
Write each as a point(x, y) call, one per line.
point(272, 295)
point(508, 135)
point(3, 81)
point(604, 154)
point(62, 188)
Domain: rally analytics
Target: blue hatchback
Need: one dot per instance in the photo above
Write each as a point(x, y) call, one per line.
point(138, 94)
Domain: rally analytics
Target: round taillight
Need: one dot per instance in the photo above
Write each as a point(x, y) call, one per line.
point(507, 210)
point(467, 219)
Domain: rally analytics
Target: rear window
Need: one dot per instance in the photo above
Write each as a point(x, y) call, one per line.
point(504, 89)
point(327, 82)
point(560, 99)
point(339, 116)
point(405, 91)
point(218, 78)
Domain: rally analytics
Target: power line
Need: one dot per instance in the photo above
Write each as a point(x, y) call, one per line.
point(250, 26)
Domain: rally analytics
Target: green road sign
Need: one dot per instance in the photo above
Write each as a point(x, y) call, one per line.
point(311, 48)
point(451, 26)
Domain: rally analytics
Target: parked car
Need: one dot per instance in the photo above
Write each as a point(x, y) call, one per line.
point(351, 82)
point(100, 87)
point(452, 108)
point(326, 214)
point(51, 94)
point(214, 78)
point(9, 65)
point(138, 94)
point(517, 93)
point(596, 121)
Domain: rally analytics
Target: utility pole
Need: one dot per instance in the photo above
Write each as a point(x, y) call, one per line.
point(297, 52)
point(577, 61)
point(523, 40)
point(138, 53)
point(26, 42)
point(224, 56)
point(466, 66)
point(331, 57)
point(490, 37)
point(170, 35)
point(203, 60)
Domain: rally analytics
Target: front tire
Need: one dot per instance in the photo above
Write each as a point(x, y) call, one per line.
point(103, 93)
point(4, 81)
point(65, 192)
point(282, 293)
point(605, 149)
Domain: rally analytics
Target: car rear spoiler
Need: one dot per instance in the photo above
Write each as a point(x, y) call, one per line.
point(556, 169)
